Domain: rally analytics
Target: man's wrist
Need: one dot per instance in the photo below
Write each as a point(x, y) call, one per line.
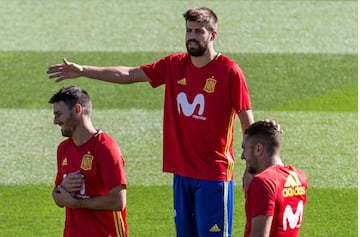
point(82, 70)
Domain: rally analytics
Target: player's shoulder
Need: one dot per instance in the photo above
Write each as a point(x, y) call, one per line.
point(105, 140)
point(222, 58)
point(224, 61)
point(263, 181)
point(271, 174)
point(266, 176)
point(295, 169)
point(65, 143)
point(174, 58)
point(177, 56)
point(297, 174)
point(102, 136)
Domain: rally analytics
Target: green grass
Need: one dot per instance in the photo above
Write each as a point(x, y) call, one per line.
point(28, 172)
point(276, 26)
point(150, 212)
point(301, 64)
point(310, 142)
point(328, 213)
point(279, 82)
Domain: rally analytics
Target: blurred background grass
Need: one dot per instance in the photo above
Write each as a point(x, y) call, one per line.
point(275, 26)
point(300, 61)
point(280, 82)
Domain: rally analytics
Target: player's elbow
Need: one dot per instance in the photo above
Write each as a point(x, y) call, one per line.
point(117, 201)
point(121, 201)
point(122, 204)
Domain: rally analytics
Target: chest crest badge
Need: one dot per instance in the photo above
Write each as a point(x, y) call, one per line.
point(86, 162)
point(210, 85)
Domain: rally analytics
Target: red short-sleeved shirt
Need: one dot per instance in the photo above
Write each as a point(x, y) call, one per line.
point(278, 191)
point(101, 162)
point(199, 112)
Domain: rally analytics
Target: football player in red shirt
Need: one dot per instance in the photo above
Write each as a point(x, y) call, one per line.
point(276, 196)
point(204, 92)
point(90, 181)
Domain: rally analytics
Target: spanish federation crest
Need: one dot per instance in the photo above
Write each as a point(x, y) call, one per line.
point(210, 85)
point(86, 162)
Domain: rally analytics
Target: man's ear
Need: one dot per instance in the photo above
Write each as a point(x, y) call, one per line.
point(78, 108)
point(259, 148)
point(213, 35)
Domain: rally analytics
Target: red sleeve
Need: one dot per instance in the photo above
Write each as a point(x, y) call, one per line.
point(262, 196)
point(156, 71)
point(59, 155)
point(112, 164)
point(239, 91)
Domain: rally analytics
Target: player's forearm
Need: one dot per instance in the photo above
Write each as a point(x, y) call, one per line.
point(108, 74)
point(246, 119)
point(116, 74)
point(261, 226)
point(115, 201)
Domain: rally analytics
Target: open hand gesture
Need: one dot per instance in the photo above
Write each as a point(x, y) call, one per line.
point(66, 70)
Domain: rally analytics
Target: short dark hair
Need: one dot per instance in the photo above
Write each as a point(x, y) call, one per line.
point(72, 95)
point(202, 15)
point(266, 132)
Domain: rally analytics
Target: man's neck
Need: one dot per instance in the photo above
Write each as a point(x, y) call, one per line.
point(83, 134)
point(204, 59)
point(275, 160)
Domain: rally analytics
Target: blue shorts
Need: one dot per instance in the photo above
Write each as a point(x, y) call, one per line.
point(203, 208)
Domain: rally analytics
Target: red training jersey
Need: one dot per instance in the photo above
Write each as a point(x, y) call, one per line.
point(101, 162)
point(199, 112)
point(278, 191)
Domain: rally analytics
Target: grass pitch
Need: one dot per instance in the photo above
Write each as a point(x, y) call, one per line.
point(300, 61)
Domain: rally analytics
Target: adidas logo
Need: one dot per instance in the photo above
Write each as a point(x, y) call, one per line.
point(182, 81)
point(293, 186)
point(215, 228)
point(64, 162)
point(292, 180)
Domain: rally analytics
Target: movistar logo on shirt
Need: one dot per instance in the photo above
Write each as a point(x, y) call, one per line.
point(291, 219)
point(193, 109)
point(293, 188)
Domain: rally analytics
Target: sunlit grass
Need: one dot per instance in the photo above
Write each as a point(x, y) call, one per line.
point(271, 26)
point(311, 142)
point(300, 62)
point(31, 212)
